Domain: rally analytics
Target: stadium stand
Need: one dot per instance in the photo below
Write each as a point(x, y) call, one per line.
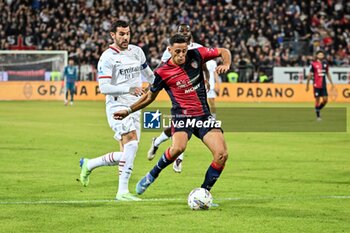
point(260, 34)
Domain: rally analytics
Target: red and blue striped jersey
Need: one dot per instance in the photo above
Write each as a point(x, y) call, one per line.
point(185, 84)
point(320, 70)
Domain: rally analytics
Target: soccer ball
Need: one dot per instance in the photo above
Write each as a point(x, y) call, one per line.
point(199, 199)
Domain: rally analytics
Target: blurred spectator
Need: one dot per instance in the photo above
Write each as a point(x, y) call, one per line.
point(272, 32)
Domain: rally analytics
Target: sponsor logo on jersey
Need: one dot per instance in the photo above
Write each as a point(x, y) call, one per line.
point(192, 89)
point(183, 84)
point(130, 70)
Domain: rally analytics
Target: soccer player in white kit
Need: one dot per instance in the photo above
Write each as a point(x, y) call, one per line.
point(214, 85)
point(119, 76)
point(185, 30)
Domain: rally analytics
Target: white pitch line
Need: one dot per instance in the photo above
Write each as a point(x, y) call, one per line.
point(48, 202)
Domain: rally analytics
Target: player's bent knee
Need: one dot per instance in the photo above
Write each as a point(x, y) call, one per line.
point(222, 157)
point(128, 137)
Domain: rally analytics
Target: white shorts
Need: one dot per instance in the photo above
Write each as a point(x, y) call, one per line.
point(211, 94)
point(128, 124)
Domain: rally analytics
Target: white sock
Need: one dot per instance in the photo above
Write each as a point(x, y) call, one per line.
point(161, 138)
point(181, 156)
point(213, 114)
point(109, 159)
point(130, 150)
point(121, 164)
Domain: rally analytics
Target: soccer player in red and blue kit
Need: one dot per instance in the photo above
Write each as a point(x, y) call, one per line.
point(319, 69)
point(182, 77)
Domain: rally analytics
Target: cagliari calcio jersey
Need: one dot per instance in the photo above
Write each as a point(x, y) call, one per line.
point(320, 70)
point(185, 84)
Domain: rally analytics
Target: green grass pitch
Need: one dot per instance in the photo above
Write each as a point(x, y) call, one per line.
point(273, 182)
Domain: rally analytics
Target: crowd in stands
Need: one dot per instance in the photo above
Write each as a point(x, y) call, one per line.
point(259, 33)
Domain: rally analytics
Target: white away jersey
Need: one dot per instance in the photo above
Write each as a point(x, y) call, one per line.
point(167, 55)
point(122, 69)
point(211, 66)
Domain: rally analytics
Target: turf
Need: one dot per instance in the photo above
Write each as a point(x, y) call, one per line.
point(273, 182)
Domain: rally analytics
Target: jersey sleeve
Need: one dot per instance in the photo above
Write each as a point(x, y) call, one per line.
point(211, 65)
point(158, 83)
point(208, 53)
point(326, 67)
point(311, 69)
point(76, 76)
point(146, 71)
point(104, 68)
point(166, 55)
point(142, 59)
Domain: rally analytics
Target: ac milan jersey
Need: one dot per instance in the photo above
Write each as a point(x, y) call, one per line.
point(122, 68)
point(320, 70)
point(185, 84)
point(211, 66)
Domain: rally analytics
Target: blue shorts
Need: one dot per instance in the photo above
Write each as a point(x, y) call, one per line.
point(199, 126)
point(70, 87)
point(319, 92)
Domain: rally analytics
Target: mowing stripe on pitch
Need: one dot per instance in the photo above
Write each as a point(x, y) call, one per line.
point(47, 202)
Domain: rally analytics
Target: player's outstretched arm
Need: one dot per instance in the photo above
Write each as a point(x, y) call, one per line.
point(308, 81)
point(143, 102)
point(225, 54)
point(115, 90)
point(330, 78)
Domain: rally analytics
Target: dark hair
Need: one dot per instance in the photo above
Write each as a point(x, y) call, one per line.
point(183, 25)
point(320, 51)
point(178, 38)
point(119, 23)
